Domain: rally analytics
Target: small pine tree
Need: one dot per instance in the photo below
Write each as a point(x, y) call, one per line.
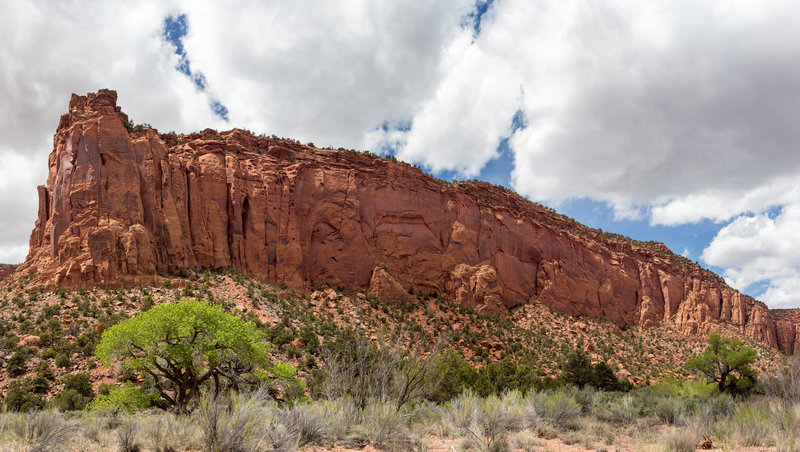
point(577, 370)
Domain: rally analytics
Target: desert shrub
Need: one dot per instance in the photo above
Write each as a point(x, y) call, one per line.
point(624, 408)
point(787, 443)
point(578, 370)
point(105, 388)
point(43, 369)
point(680, 440)
point(603, 378)
point(750, 425)
point(49, 353)
point(170, 433)
point(381, 426)
point(708, 409)
point(292, 351)
point(43, 430)
point(63, 360)
point(457, 375)
point(484, 424)
point(95, 426)
point(784, 382)
point(38, 384)
point(668, 410)
point(21, 397)
point(127, 436)
point(557, 407)
point(46, 338)
point(508, 375)
point(311, 340)
point(77, 392)
point(306, 421)
point(17, 363)
point(285, 382)
point(147, 302)
point(387, 372)
point(672, 386)
point(340, 416)
point(86, 343)
point(69, 400)
point(503, 415)
point(586, 398)
point(8, 343)
point(425, 418)
point(79, 382)
point(240, 422)
point(131, 127)
point(462, 415)
point(278, 436)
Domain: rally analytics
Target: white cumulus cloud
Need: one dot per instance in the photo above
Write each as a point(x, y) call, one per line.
point(51, 50)
point(320, 72)
point(756, 248)
point(674, 112)
point(302, 69)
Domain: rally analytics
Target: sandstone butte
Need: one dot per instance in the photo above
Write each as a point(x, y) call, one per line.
point(122, 209)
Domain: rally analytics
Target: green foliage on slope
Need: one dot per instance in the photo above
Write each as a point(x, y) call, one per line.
point(726, 362)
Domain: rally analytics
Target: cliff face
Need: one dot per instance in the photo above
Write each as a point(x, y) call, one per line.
point(6, 270)
point(121, 208)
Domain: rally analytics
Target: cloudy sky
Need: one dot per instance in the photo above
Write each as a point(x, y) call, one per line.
point(672, 121)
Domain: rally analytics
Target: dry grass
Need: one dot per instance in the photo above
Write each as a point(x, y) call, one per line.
point(541, 420)
point(166, 432)
point(680, 440)
point(485, 424)
point(42, 431)
point(241, 423)
point(128, 436)
point(306, 421)
point(558, 407)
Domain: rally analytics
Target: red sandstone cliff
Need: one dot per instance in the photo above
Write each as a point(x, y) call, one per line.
point(121, 208)
point(6, 270)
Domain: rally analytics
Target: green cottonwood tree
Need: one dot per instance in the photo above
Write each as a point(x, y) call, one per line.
point(726, 362)
point(180, 347)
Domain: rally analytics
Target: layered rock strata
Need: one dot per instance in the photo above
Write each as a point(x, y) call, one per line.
point(122, 208)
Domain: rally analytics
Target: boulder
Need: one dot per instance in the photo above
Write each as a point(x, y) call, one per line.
point(384, 287)
point(28, 339)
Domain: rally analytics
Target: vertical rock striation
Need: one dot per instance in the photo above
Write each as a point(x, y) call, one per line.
point(121, 208)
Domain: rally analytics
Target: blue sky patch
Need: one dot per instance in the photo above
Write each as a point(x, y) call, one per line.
point(774, 211)
point(387, 147)
point(498, 170)
point(219, 109)
point(680, 239)
point(175, 29)
point(473, 19)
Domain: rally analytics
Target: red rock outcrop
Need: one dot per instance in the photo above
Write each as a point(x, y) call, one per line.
point(120, 209)
point(6, 270)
